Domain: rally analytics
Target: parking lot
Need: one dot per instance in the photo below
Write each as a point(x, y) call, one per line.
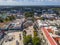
point(14, 38)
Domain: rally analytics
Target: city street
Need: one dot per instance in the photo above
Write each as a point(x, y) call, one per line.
point(17, 36)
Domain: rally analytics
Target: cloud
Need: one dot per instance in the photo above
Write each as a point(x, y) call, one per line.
point(50, 0)
point(29, 2)
point(25, 0)
point(54, 0)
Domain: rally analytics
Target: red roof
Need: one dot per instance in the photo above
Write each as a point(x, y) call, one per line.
point(50, 39)
point(49, 30)
point(57, 39)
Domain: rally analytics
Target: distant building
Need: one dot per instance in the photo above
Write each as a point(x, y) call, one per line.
point(28, 23)
point(49, 16)
point(48, 33)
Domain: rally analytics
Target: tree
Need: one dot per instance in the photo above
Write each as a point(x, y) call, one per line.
point(42, 18)
point(35, 33)
point(12, 17)
point(24, 33)
point(27, 39)
point(1, 19)
point(7, 19)
point(35, 27)
point(36, 41)
point(29, 14)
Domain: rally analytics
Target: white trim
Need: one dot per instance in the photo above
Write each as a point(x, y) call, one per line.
point(45, 36)
point(52, 38)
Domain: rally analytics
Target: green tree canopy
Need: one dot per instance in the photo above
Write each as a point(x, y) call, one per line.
point(36, 41)
point(27, 39)
point(29, 14)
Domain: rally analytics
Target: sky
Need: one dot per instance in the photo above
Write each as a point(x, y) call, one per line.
point(30, 2)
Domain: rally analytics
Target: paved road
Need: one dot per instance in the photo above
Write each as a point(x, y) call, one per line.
point(16, 37)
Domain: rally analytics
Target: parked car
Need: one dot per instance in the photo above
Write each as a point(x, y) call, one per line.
point(17, 43)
